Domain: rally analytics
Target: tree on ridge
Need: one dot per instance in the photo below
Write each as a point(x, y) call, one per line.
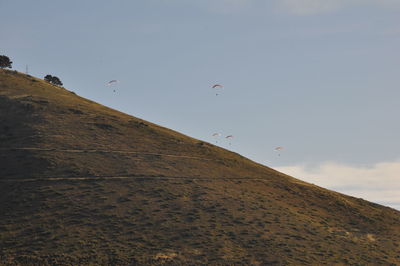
point(53, 80)
point(5, 62)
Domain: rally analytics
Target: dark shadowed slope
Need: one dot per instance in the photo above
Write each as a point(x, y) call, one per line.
point(84, 184)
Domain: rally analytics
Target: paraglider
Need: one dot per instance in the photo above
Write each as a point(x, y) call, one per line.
point(216, 135)
point(229, 137)
point(112, 82)
point(278, 149)
point(216, 87)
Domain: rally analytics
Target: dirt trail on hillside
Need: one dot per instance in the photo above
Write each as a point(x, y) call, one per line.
point(92, 178)
point(105, 151)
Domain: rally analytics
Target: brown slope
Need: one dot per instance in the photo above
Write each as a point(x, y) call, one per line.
point(82, 183)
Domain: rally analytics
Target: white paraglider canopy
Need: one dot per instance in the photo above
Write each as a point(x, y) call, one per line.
point(112, 82)
point(217, 87)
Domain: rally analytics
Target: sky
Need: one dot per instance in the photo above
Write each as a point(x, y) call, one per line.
point(318, 77)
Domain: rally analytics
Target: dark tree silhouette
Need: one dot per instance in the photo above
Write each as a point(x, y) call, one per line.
point(5, 61)
point(53, 80)
point(48, 78)
point(56, 81)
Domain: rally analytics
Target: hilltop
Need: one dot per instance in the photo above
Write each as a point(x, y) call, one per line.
point(81, 183)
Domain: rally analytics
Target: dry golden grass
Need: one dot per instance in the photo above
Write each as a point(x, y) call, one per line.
point(84, 184)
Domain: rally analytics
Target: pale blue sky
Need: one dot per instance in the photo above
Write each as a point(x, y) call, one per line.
point(319, 77)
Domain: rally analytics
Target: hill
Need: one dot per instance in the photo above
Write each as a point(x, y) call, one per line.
point(81, 183)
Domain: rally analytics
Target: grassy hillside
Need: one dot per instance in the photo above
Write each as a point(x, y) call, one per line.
point(81, 183)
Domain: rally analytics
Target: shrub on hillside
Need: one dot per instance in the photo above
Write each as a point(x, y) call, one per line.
point(53, 80)
point(5, 62)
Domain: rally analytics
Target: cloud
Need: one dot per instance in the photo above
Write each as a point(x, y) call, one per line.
point(230, 6)
point(379, 183)
point(306, 7)
point(295, 7)
point(309, 7)
point(392, 31)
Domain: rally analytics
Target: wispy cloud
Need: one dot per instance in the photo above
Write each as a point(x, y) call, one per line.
point(379, 183)
point(306, 7)
point(295, 7)
point(392, 31)
point(230, 6)
point(309, 7)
